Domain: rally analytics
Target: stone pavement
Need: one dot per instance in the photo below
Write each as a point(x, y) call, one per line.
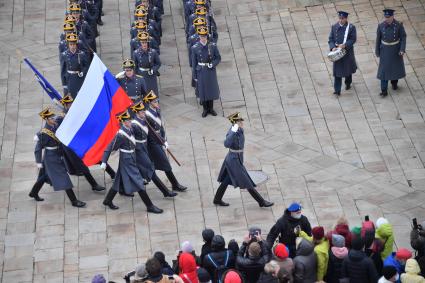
point(355, 155)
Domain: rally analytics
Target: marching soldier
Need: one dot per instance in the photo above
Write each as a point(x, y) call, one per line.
point(210, 24)
point(152, 13)
point(390, 48)
point(74, 66)
point(157, 139)
point(134, 85)
point(82, 25)
point(152, 26)
point(146, 167)
point(63, 45)
point(200, 11)
point(233, 171)
point(52, 168)
point(343, 35)
point(143, 35)
point(128, 177)
point(205, 58)
point(147, 64)
point(141, 26)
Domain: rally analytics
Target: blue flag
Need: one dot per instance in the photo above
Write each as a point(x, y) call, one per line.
point(48, 88)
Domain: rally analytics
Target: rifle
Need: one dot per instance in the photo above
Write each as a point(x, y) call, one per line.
point(162, 142)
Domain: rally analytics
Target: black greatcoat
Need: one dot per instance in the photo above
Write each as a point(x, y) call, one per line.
point(145, 61)
point(156, 151)
point(128, 177)
point(70, 64)
point(345, 66)
point(391, 64)
point(52, 161)
point(141, 130)
point(233, 167)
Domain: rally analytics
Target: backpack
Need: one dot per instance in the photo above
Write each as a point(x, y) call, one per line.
point(219, 269)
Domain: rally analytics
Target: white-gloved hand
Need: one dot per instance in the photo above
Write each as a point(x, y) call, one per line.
point(235, 128)
point(80, 74)
point(39, 165)
point(166, 145)
point(103, 165)
point(210, 65)
point(150, 72)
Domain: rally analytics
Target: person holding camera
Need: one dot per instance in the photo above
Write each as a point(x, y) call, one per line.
point(417, 241)
point(252, 257)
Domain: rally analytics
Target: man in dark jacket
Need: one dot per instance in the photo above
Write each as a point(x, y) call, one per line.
point(357, 267)
point(417, 241)
point(219, 260)
point(284, 228)
point(251, 264)
point(207, 236)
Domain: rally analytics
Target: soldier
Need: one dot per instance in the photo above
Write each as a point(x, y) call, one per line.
point(73, 163)
point(205, 58)
point(90, 13)
point(134, 85)
point(141, 26)
point(147, 64)
point(83, 26)
point(52, 168)
point(157, 139)
point(63, 45)
point(74, 66)
point(343, 35)
point(194, 38)
point(128, 177)
point(135, 42)
point(151, 25)
point(200, 11)
point(233, 171)
point(210, 24)
point(390, 48)
point(152, 13)
point(146, 167)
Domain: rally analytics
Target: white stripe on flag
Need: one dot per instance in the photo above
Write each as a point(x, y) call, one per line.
point(84, 102)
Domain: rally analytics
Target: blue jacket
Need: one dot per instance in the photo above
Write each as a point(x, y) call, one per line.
point(392, 261)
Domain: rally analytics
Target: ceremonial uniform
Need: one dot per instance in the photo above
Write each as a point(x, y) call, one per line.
point(74, 67)
point(390, 42)
point(128, 178)
point(135, 44)
point(346, 66)
point(135, 87)
point(147, 65)
point(233, 171)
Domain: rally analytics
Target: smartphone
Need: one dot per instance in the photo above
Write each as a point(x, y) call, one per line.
point(366, 218)
point(415, 223)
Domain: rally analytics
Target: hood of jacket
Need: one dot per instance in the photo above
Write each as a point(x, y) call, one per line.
point(384, 231)
point(355, 255)
point(305, 248)
point(343, 230)
point(339, 252)
point(412, 266)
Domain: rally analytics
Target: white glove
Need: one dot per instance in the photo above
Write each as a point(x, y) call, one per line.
point(39, 165)
point(166, 145)
point(210, 65)
point(235, 128)
point(80, 74)
point(150, 72)
point(103, 165)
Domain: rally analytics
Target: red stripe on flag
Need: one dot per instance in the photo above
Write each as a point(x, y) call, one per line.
point(120, 102)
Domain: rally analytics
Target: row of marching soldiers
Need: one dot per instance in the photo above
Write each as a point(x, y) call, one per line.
point(141, 140)
point(201, 38)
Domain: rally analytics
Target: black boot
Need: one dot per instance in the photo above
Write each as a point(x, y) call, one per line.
point(94, 185)
point(205, 111)
point(162, 187)
point(110, 171)
point(147, 201)
point(36, 189)
point(74, 201)
point(347, 86)
point(394, 84)
point(219, 195)
point(99, 22)
point(174, 183)
point(108, 199)
point(211, 108)
point(262, 202)
point(384, 93)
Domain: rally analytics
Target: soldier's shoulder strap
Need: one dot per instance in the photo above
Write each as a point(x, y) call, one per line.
point(124, 134)
point(49, 133)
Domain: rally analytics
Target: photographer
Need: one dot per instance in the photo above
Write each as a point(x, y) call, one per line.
point(417, 241)
point(251, 264)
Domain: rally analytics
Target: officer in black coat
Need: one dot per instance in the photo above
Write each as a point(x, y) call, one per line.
point(128, 177)
point(52, 168)
point(205, 58)
point(285, 228)
point(147, 64)
point(82, 25)
point(233, 171)
point(390, 48)
point(157, 140)
point(74, 66)
point(135, 42)
point(141, 131)
point(346, 66)
point(134, 85)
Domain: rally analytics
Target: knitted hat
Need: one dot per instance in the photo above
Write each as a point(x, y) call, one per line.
point(403, 254)
point(187, 247)
point(218, 243)
point(338, 241)
point(356, 230)
point(207, 235)
point(254, 249)
point(98, 279)
point(294, 207)
point(380, 221)
point(203, 275)
point(357, 243)
point(281, 251)
point(318, 232)
point(389, 271)
point(232, 277)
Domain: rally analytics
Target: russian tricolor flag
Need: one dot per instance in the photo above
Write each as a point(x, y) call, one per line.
point(90, 124)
